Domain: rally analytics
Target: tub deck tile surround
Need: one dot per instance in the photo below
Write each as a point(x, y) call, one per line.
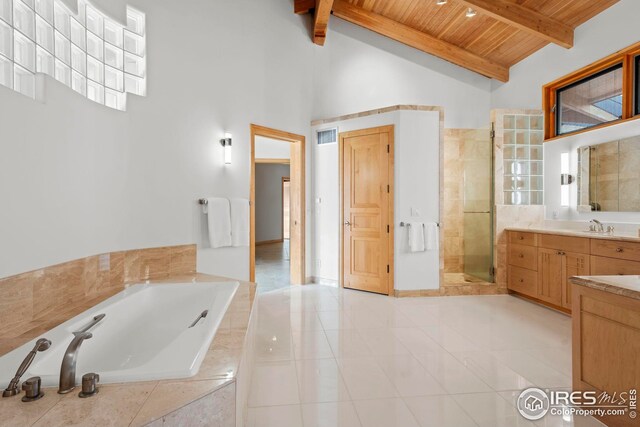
point(141, 403)
point(42, 299)
point(136, 404)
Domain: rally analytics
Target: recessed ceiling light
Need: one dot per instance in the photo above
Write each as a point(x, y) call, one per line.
point(471, 13)
point(441, 2)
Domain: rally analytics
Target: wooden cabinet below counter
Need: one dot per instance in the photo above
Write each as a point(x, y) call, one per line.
point(541, 264)
point(606, 344)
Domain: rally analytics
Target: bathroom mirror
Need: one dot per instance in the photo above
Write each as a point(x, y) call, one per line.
point(609, 176)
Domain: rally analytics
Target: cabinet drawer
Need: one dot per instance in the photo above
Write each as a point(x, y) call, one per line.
point(523, 256)
point(523, 238)
point(523, 281)
point(601, 266)
point(616, 249)
point(605, 309)
point(564, 243)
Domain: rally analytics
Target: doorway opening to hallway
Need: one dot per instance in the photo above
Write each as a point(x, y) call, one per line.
point(277, 208)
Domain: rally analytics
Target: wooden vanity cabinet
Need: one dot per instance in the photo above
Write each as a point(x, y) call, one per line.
point(575, 265)
point(560, 258)
point(540, 266)
point(550, 272)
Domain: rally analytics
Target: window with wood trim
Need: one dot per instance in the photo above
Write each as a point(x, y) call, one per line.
point(598, 95)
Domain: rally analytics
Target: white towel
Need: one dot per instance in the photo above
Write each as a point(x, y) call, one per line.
point(416, 237)
point(431, 229)
point(240, 222)
point(219, 220)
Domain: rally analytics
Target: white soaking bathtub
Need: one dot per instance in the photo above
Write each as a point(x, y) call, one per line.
point(145, 335)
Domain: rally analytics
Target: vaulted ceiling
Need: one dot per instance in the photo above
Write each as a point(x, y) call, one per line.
point(499, 35)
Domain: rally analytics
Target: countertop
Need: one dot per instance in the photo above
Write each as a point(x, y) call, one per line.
point(627, 286)
point(619, 236)
point(139, 403)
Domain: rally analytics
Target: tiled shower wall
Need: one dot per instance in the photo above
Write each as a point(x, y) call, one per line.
point(454, 200)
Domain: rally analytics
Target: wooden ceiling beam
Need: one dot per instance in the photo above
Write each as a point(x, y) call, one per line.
point(321, 20)
point(419, 40)
point(301, 7)
point(525, 19)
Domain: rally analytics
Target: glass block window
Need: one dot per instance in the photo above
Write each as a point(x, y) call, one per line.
point(87, 51)
point(523, 160)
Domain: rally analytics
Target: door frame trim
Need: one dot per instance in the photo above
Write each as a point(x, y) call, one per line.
point(380, 129)
point(298, 142)
point(285, 179)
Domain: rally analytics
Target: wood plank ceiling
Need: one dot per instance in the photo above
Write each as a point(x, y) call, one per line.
point(501, 34)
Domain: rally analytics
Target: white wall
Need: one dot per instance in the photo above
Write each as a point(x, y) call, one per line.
point(417, 186)
point(359, 70)
point(269, 201)
point(610, 31)
point(267, 148)
point(79, 179)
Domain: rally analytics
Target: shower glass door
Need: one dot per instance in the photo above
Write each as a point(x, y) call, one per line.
point(478, 208)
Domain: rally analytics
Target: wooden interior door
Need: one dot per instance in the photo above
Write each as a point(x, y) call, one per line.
point(366, 163)
point(550, 275)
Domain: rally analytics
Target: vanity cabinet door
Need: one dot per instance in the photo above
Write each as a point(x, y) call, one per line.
point(551, 274)
point(575, 265)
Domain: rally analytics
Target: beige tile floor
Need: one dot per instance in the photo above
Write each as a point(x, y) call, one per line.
point(327, 357)
point(272, 266)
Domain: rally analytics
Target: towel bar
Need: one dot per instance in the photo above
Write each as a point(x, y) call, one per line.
point(206, 202)
point(406, 224)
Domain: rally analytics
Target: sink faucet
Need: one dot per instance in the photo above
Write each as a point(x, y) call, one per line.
point(597, 225)
point(68, 368)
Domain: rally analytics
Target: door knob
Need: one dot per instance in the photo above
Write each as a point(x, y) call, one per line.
point(347, 223)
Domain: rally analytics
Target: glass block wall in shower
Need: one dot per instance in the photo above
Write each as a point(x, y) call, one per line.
point(86, 51)
point(523, 160)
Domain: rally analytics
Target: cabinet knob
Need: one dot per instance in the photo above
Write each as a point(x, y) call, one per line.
point(521, 255)
point(521, 237)
point(521, 280)
point(619, 250)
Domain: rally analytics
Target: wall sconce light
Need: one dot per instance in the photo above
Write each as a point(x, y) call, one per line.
point(565, 179)
point(226, 146)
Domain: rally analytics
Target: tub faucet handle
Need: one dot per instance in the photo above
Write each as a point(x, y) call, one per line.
point(32, 388)
point(89, 384)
